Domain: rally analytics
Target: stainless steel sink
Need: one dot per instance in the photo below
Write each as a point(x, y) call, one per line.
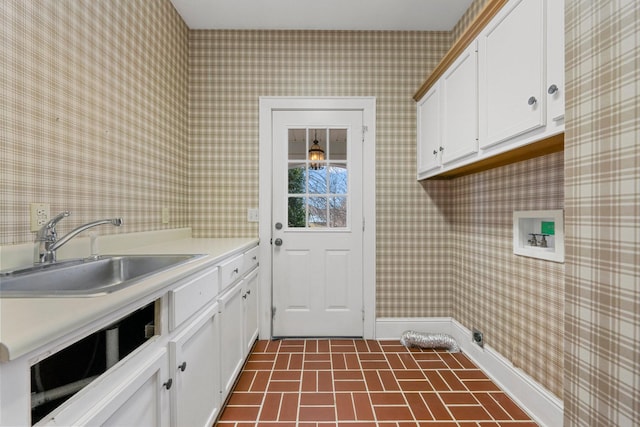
point(84, 278)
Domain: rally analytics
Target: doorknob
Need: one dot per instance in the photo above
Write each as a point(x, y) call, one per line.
point(278, 242)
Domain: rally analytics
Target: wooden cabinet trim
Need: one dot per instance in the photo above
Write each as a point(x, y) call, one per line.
point(469, 35)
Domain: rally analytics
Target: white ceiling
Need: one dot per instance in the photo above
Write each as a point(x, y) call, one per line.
point(399, 15)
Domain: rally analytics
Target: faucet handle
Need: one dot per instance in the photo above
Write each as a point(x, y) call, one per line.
point(55, 220)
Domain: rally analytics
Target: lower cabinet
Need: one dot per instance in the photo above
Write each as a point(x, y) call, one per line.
point(231, 344)
point(179, 377)
point(250, 311)
point(134, 394)
point(195, 396)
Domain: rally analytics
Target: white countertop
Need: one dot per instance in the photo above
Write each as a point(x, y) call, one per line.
point(29, 324)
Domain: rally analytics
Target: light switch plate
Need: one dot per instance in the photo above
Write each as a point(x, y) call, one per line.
point(252, 215)
point(40, 213)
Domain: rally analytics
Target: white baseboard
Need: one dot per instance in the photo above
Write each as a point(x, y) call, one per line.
point(542, 405)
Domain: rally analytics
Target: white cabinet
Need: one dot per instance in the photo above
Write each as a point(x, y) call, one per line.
point(429, 137)
point(135, 393)
point(194, 365)
point(459, 88)
point(250, 310)
point(448, 116)
point(495, 96)
point(231, 343)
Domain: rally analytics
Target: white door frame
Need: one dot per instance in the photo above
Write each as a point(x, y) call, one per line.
point(368, 106)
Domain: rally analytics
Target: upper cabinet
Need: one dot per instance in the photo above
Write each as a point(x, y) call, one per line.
point(500, 92)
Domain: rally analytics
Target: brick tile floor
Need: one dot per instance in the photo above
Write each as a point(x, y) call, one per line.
point(361, 383)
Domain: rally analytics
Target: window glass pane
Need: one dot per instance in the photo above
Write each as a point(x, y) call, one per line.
point(317, 212)
point(337, 144)
point(297, 144)
point(317, 152)
point(297, 212)
point(338, 212)
point(338, 178)
point(318, 181)
point(297, 179)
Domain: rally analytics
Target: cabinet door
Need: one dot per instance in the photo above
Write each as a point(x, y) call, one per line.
point(429, 143)
point(511, 55)
point(250, 296)
point(195, 367)
point(460, 107)
point(555, 58)
point(136, 394)
point(231, 342)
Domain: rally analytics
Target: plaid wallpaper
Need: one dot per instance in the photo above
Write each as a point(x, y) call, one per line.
point(94, 113)
point(474, 8)
point(602, 198)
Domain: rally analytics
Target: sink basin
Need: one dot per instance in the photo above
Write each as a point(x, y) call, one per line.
point(89, 277)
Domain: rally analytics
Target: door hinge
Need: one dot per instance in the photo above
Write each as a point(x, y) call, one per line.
point(362, 223)
point(365, 129)
point(273, 312)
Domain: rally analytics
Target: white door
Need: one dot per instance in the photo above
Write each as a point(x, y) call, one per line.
point(317, 223)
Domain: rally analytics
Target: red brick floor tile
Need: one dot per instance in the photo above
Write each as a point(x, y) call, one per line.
point(316, 399)
point(409, 374)
point(345, 382)
point(415, 385)
point(271, 407)
point(458, 398)
point(362, 403)
point(509, 406)
point(388, 381)
point(387, 398)
point(286, 375)
point(393, 413)
point(349, 385)
point(289, 407)
point(437, 382)
point(496, 411)
point(469, 412)
point(481, 385)
point(345, 407)
point(452, 381)
point(348, 375)
point(240, 413)
point(471, 374)
point(240, 398)
point(418, 406)
point(435, 405)
point(317, 413)
point(373, 381)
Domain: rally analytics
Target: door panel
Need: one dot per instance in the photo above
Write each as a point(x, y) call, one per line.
point(317, 255)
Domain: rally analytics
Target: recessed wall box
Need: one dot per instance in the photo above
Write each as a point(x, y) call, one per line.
point(539, 234)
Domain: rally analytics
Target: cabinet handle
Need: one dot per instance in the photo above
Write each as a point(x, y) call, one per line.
point(168, 384)
point(552, 89)
point(235, 270)
point(532, 100)
point(435, 153)
point(182, 366)
point(441, 148)
point(255, 257)
point(249, 292)
point(244, 296)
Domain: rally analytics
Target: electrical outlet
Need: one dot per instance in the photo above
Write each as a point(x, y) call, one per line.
point(40, 213)
point(252, 215)
point(165, 215)
point(477, 337)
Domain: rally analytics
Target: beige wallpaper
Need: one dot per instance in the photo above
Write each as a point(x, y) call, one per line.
point(94, 113)
point(602, 198)
point(474, 8)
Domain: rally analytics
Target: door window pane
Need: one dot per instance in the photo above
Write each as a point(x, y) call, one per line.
point(318, 166)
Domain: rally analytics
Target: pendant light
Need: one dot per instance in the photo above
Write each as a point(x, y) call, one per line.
point(316, 153)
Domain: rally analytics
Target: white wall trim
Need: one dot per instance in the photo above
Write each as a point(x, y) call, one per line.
point(368, 106)
point(542, 405)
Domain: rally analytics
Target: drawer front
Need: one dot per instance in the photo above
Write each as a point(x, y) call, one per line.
point(230, 271)
point(191, 296)
point(250, 260)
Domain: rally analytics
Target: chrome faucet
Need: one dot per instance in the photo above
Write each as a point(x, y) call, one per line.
point(47, 238)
